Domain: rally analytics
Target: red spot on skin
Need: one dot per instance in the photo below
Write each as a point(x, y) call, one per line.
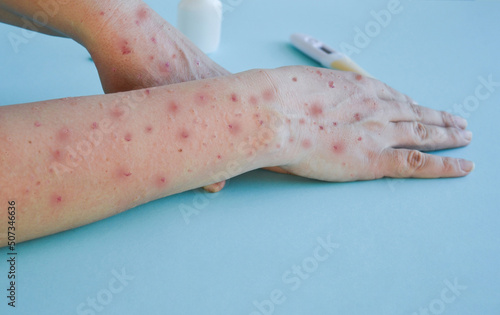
point(335, 124)
point(63, 134)
point(291, 140)
point(165, 67)
point(174, 56)
point(151, 57)
point(319, 73)
point(123, 173)
point(153, 39)
point(113, 69)
point(101, 13)
point(294, 79)
point(268, 95)
point(253, 100)
point(234, 97)
point(56, 199)
point(306, 144)
point(57, 155)
point(173, 108)
point(234, 128)
point(360, 139)
point(149, 129)
point(95, 125)
point(302, 121)
point(37, 124)
point(357, 116)
point(330, 84)
point(201, 99)
point(219, 157)
point(124, 47)
point(183, 134)
point(142, 13)
point(359, 77)
point(147, 92)
point(316, 110)
point(160, 181)
point(338, 148)
point(117, 112)
point(128, 137)
point(321, 128)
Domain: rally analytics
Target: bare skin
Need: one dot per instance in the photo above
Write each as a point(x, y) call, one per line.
point(131, 45)
point(74, 161)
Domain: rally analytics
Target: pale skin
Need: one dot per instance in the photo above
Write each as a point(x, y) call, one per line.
point(131, 45)
point(73, 161)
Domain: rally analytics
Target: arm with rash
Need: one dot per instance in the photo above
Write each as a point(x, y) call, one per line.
point(73, 161)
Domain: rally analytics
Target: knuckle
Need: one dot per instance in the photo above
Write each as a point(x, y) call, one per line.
point(409, 162)
point(416, 159)
point(449, 165)
point(420, 132)
point(447, 118)
point(455, 136)
point(417, 111)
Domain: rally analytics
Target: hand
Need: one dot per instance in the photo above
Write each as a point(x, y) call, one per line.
point(345, 127)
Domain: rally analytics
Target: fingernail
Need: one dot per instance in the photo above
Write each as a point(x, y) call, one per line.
point(460, 122)
point(467, 166)
point(467, 134)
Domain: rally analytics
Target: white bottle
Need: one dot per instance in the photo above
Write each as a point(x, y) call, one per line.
point(200, 21)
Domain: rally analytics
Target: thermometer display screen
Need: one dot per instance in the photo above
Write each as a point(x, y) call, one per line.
point(325, 49)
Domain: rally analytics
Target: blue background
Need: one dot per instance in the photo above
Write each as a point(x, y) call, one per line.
point(401, 243)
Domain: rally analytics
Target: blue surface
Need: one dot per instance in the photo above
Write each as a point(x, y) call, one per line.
point(400, 244)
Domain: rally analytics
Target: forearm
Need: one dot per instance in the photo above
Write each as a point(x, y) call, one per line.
point(75, 19)
point(133, 47)
point(14, 19)
point(73, 161)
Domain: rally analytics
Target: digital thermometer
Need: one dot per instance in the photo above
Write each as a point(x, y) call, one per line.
point(325, 55)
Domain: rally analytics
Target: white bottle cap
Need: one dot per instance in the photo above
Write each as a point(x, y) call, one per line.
point(200, 21)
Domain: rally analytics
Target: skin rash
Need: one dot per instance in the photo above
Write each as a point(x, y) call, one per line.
point(74, 161)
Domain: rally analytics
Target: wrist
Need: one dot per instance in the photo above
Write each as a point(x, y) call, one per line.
point(276, 132)
point(290, 126)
